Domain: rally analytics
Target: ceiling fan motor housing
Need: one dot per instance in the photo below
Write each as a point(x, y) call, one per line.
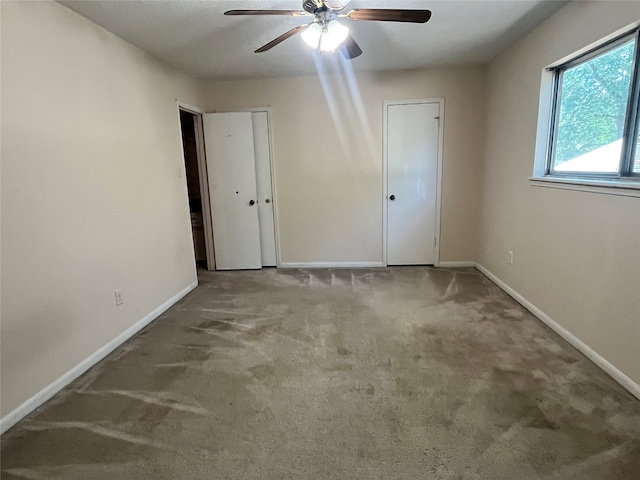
point(311, 6)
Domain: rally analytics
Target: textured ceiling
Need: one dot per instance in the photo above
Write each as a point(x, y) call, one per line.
point(197, 38)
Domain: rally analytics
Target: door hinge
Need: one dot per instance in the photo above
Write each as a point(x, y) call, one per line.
point(435, 242)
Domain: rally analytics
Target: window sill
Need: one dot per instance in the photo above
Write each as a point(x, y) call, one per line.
point(626, 188)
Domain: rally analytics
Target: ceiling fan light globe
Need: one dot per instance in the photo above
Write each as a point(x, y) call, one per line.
point(311, 35)
point(335, 4)
point(334, 34)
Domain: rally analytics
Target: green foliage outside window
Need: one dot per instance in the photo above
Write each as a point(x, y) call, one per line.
point(593, 103)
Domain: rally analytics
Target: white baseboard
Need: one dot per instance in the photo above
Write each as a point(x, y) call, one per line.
point(332, 265)
point(46, 393)
point(456, 264)
point(365, 264)
point(591, 354)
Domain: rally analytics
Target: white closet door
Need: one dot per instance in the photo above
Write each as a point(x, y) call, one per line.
point(232, 190)
point(265, 196)
point(412, 167)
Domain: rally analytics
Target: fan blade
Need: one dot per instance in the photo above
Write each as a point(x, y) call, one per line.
point(390, 15)
point(350, 49)
point(292, 13)
point(281, 38)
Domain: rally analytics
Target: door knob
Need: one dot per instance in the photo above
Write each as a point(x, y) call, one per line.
point(252, 203)
point(392, 197)
point(267, 201)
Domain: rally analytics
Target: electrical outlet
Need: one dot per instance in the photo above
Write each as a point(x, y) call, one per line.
point(119, 300)
point(510, 257)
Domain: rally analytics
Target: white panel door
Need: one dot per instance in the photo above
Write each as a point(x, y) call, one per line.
point(265, 196)
point(232, 190)
point(412, 168)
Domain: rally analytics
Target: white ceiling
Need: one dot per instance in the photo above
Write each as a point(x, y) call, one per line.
point(195, 36)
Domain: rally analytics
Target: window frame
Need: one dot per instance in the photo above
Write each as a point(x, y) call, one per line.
point(625, 171)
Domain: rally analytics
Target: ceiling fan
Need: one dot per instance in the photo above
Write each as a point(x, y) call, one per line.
point(325, 32)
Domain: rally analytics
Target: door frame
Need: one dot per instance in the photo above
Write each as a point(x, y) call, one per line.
point(385, 166)
point(204, 182)
point(274, 194)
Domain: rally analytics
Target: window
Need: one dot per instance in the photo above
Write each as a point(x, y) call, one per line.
point(595, 115)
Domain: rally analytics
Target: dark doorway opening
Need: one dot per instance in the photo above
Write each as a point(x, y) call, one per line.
point(190, 149)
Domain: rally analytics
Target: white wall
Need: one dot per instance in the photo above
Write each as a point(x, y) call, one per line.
point(328, 156)
point(576, 254)
point(91, 197)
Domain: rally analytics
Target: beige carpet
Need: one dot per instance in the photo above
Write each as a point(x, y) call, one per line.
point(399, 373)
